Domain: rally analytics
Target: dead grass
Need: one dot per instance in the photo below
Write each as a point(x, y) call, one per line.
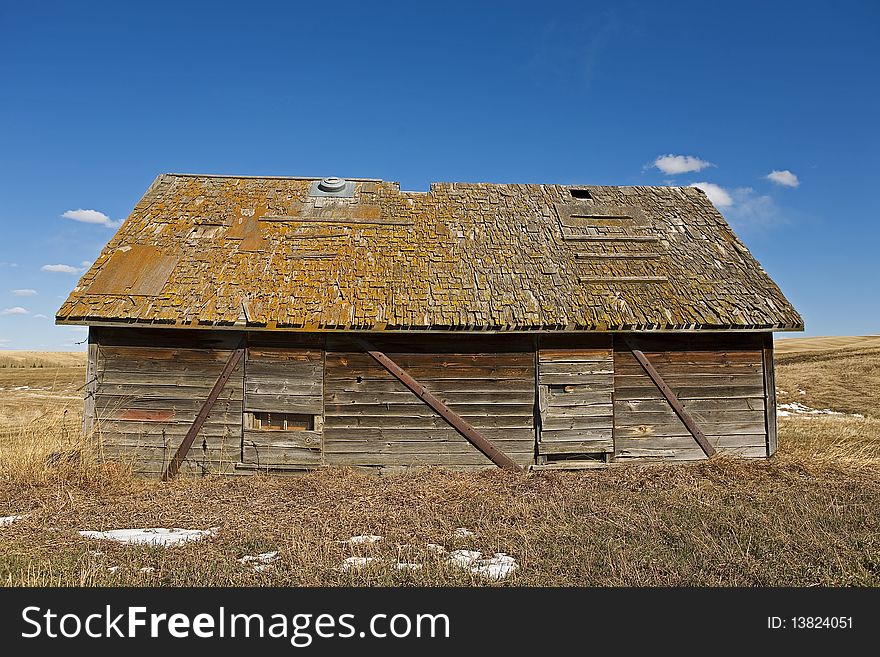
point(806, 517)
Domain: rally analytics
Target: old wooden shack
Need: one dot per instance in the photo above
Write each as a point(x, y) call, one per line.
point(241, 324)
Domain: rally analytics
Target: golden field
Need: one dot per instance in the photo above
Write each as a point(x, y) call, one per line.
point(806, 517)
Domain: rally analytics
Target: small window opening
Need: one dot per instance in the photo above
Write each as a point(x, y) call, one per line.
point(561, 388)
point(581, 194)
point(284, 422)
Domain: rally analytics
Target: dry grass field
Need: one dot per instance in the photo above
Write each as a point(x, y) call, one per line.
point(806, 517)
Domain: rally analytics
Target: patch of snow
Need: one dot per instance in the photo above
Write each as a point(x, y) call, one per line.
point(8, 520)
point(464, 532)
point(497, 567)
point(262, 561)
point(798, 409)
point(464, 558)
point(408, 566)
point(151, 536)
point(96, 553)
point(22, 388)
point(356, 563)
point(802, 392)
point(147, 570)
point(263, 557)
point(112, 569)
point(359, 540)
point(436, 549)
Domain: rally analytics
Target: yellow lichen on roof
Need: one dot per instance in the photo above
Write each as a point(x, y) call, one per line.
point(262, 252)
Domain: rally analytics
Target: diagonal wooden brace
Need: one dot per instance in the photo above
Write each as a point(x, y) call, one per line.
point(457, 422)
point(674, 402)
point(183, 450)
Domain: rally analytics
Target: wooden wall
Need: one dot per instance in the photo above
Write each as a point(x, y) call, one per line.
point(575, 398)
point(575, 385)
point(150, 386)
point(371, 419)
point(284, 374)
point(719, 380)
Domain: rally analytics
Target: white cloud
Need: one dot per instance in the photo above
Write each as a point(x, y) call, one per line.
point(86, 263)
point(61, 269)
point(40, 316)
point(8, 264)
point(785, 178)
point(91, 217)
point(675, 164)
point(719, 196)
point(24, 292)
point(16, 310)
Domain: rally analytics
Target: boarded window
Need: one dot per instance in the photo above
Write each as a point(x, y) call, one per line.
point(282, 421)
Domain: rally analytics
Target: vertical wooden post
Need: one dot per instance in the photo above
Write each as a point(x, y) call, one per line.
point(769, 393)
point(91, 387)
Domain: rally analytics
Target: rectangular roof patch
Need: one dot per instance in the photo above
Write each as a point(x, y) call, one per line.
point(136, 270)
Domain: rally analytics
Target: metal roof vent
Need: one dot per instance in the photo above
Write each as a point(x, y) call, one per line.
point(338, 187)
point(332, 184)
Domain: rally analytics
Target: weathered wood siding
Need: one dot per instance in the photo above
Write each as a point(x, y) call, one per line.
point(575, 385)
point(150, 386)
point(372, 419)
point(719, 380)
point(770, 393)
point(284, 374)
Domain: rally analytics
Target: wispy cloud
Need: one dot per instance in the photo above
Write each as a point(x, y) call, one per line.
point(784, 177)
point(16, 310)
point(8, 264)
point(675, 164)
point(753, 210)
point(85, 264)
point(24, 292)
point(719, 196)
point(91, 217)
point(60, 269)
point(41, 316)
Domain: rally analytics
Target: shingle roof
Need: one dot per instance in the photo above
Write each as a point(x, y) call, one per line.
point(218, 250)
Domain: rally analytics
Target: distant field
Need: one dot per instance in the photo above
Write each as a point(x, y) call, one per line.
point(806, 517)
point(832, 343)
point(10, 358)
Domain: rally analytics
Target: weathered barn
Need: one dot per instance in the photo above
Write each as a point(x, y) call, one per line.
point(241, 324)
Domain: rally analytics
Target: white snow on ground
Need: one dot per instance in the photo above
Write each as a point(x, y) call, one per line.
point(263, 557)
point(113, 569)
point(358, 540)
point(261, 562)
point(464, 532)
point(464, 558)
point(152, 536)
point(356, 563)
point(497, 567)
point(8, 520)
point(147, 570)
point(408, 566)
point(798, 409)
point(22, 388)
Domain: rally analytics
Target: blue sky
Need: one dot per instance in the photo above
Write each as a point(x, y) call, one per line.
point(98, 98)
